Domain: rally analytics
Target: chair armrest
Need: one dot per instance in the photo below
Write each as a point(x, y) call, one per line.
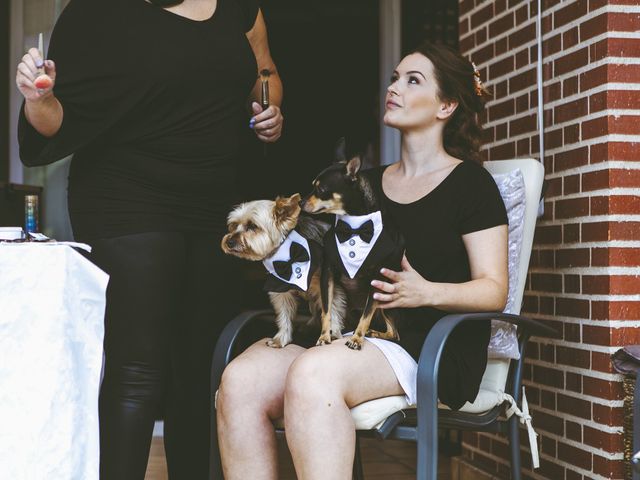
point(431, 353)
point(228, 338)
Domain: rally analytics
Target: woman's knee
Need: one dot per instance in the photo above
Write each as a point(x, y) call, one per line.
point(312, 376)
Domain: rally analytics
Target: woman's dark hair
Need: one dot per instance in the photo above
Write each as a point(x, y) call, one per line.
point(454, 74)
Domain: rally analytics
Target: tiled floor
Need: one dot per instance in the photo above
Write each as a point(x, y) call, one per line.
point(389, 460)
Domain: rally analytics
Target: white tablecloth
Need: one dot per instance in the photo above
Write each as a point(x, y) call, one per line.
point(52, 303)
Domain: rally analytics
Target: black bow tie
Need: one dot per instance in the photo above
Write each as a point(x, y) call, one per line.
point(344, 232)
point(297, 254)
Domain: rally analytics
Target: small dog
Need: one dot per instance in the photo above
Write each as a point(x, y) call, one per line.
point(357, 247)
point(290, 247)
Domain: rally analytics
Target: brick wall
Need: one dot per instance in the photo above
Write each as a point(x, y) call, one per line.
point(584, 275)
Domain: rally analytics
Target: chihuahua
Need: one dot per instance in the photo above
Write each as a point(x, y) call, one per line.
point(356, 248)
point(290, 247)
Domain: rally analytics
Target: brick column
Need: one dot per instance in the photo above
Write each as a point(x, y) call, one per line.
point(584, 275)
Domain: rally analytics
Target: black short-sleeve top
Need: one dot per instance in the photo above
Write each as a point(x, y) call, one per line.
point(153, 105)
point(466, 201)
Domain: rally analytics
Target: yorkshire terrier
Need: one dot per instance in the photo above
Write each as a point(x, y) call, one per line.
point(290, 247)
point(357, 247)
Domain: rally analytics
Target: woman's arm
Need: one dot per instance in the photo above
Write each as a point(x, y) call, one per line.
point(42, 109)
point(486, 291)
point(267, 124)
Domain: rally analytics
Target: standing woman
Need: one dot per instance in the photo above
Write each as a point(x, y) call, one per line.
point(150, 97)
point(454, 223)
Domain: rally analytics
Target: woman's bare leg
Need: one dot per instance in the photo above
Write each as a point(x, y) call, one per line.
point(250, 397)
point(322, 385)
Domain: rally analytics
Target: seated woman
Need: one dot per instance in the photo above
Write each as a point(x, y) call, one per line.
point(454, 222)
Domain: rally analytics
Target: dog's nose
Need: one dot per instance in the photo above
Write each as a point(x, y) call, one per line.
point(231, 242)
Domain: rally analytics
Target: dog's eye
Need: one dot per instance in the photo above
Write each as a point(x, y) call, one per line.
point(233, 226)
point(251, 226)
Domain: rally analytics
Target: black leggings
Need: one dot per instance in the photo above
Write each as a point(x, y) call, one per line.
point(169, 296)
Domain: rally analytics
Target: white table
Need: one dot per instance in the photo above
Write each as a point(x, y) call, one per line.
point(52, 303)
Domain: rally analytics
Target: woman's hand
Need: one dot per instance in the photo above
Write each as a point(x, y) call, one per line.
point(407, 289)
point(268, 123)
point(29, 69)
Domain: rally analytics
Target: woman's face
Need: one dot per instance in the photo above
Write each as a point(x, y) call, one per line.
point(412, 97)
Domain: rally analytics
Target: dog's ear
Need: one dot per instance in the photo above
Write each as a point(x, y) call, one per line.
point(353, 167)
point(287, 207)
point(340, 151)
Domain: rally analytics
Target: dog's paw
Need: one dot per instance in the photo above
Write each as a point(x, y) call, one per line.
point(275, 343)
point(355, 342)
point(325, 339)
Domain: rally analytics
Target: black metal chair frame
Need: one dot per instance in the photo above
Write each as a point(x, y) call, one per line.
point(418, 425)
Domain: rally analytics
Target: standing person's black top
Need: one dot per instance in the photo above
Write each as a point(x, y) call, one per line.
point(466, 201)
point(153, 103)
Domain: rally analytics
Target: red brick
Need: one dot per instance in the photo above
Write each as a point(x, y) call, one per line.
point(574, 456)
point(601, 362)
point(463, 25)
point(467, 43)
point(573, 382)
point(547, 423)
point(571, 110)
point(571, 184)
point(484, 54)
point(609, 442)
point(571, 233)
point(597, 127)
point(570, 38)
point(482, 16)
point(547, 306)
point(481, 36)
point(522, 35)
point(624, 231)
point(624, 311)
point(551, 93)
point(604, 415)
point(570, 86)
point(574, 431)
point(565, 15)
point(623, 22)
point(595, 180)
point(501, 131)
point(548, 399)
point(624, 204)
point(502, 109)
point(572, 257)
point(624, 178)
point(607, 390)
point(623, 257)
point(552, 45)
point(501, 67)
point(575, 207)
point(624, 150)
point(522, 58)
point(548, 445)
point(501, 25)
point(624, 285)
point(595, 284)
point(548, 234)
point(600, 205)
point(548, 376)
point(523, 125)
point(553, 138)
point(465, 6)
point(571, 332)
point(502, 152)
point(574, 406)
point(596, 335)
point(573, 356)
point(599, 310)
point(522, 80)
point(624, 336)
point(522, 147)
point(613, 469)
point(598, 153)
point(572, 284)
point(593, 27)
point(572, 307)
point(595, 231)
point(571, 61)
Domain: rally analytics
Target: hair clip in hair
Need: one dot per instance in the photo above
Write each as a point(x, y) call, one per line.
point(479, 87)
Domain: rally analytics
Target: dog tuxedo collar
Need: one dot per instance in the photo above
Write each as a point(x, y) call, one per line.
point(292, 264)
point(355, 237)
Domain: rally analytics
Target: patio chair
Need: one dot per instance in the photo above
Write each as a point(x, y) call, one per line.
point(497, 406)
